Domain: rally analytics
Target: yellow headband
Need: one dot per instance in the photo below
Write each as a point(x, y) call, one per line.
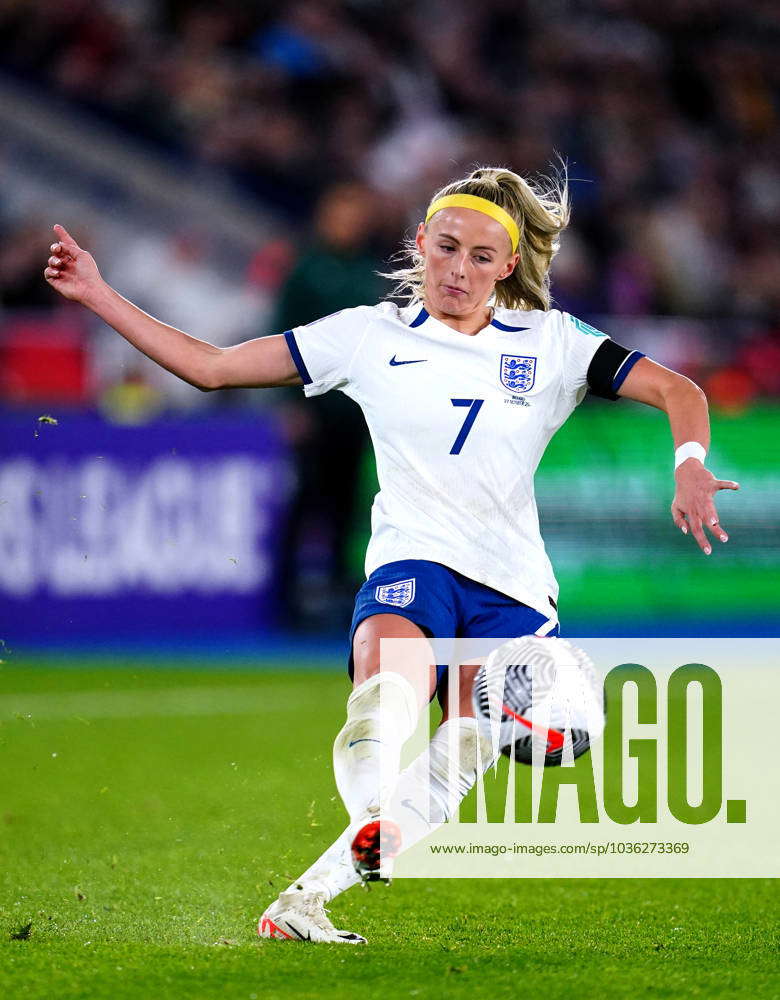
point(479, 205)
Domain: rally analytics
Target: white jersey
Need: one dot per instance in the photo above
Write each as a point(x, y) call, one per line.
point(459, 424)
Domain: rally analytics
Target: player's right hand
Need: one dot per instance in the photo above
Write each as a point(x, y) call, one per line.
point(71, 270)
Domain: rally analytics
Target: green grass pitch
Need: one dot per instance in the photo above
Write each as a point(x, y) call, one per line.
point(149, 812)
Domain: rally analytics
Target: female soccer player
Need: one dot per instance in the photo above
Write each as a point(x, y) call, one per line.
point(461, 389)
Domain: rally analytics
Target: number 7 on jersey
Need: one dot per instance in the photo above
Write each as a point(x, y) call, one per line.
point(474, 406)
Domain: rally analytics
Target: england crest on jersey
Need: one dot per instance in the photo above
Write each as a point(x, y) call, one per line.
point(397, 595)
point(518, 372)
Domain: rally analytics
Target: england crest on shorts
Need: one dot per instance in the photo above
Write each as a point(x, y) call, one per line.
point(397, 595)
point(518, 372)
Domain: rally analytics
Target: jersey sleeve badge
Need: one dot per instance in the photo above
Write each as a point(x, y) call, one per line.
point(586, 328)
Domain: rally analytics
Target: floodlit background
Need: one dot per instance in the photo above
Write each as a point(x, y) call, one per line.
point(238, 169)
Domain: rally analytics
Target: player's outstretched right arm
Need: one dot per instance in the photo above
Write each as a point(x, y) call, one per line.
point(258, 363)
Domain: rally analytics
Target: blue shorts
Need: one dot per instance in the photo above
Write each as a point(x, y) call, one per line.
point(443, 603)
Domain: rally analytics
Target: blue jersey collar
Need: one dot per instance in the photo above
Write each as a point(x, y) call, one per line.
point(423, 314)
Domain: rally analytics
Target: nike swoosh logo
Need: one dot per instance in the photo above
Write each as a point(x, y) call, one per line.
point(416, 361)
point(408, 804)
point(366, 740)
point(553, 737)
point(295, 930)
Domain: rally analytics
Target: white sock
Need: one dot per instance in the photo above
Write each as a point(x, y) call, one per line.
point(428, 792)
point(381, 716)
point(332, 872)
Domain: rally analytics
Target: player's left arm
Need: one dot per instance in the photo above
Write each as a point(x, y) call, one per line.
point(685, 404)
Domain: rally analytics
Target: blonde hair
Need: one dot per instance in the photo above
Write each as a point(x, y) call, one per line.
point(541, 209)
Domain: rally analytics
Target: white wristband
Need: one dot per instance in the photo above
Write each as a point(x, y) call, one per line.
point(691, 449)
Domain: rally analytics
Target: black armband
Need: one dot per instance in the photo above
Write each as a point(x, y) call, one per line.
point(608, 369)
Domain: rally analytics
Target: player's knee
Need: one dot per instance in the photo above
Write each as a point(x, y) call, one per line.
point(384, 692)
point(485, 753)
point(384, 706)
point(473, 746)
point(365, 697)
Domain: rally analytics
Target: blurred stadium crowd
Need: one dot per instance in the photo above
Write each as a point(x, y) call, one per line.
point(338, 119)
point(667, 114)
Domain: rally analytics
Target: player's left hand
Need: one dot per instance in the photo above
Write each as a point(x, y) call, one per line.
point(693, 508)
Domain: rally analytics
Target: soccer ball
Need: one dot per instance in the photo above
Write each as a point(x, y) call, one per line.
point(539, 700)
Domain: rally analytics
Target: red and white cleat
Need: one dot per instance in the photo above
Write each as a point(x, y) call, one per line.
point(298, 915)
point(375, 845)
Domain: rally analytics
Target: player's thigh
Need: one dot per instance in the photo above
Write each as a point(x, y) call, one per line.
point(459, 705)
point(413, 660)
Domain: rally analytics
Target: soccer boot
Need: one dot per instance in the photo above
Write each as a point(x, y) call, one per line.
point(301, 916)
point(375, 844)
